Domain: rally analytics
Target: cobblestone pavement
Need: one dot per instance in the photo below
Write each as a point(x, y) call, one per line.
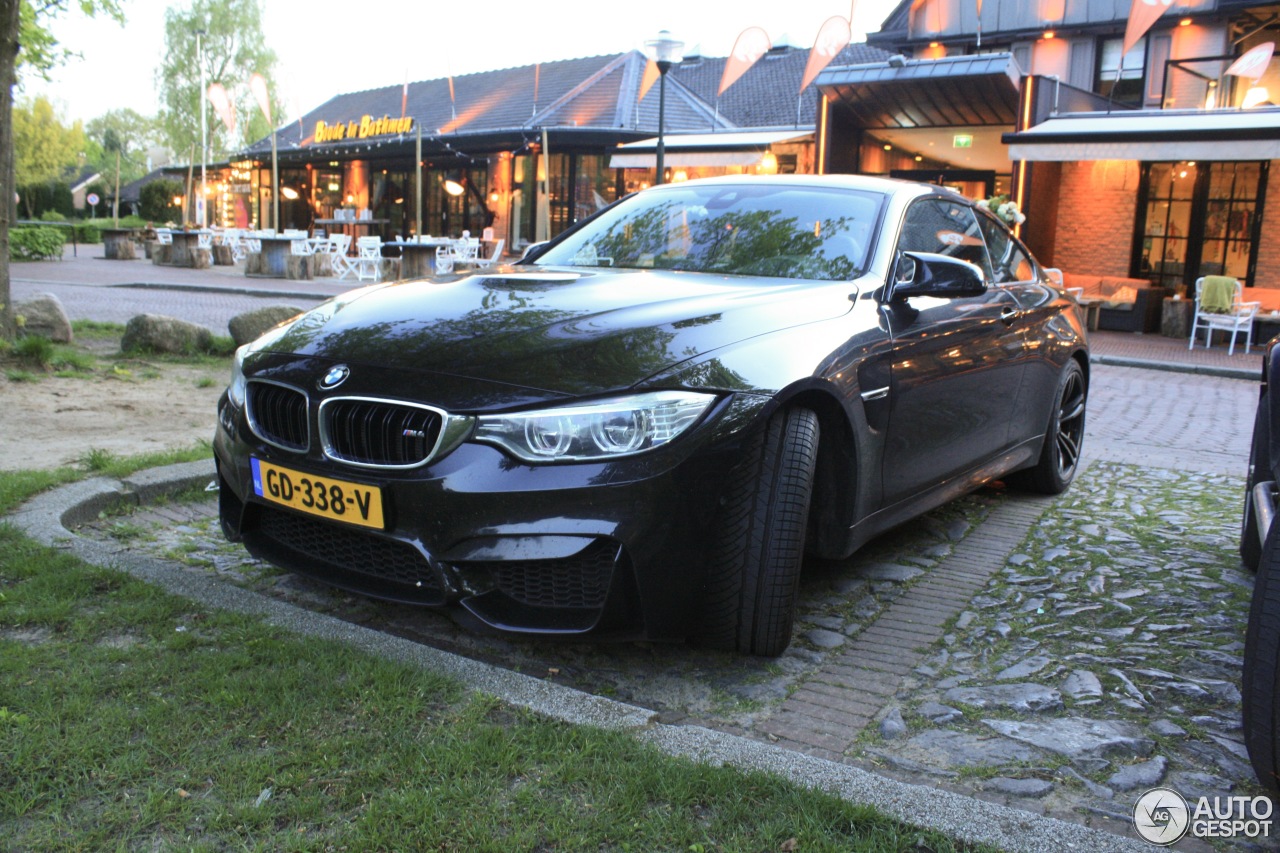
point(1059, 655)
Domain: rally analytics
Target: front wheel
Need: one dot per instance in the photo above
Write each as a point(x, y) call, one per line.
point(749, 605)
point(1064, 440)
point(1261, 677)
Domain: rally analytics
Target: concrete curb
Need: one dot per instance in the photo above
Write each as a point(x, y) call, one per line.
point(257, 293)
point(46, 519)
point(1202, 369)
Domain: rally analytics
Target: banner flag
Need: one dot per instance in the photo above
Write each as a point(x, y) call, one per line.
point(223, 106)
point(258, 85)
point(651, 75)
point(752, 43)
point(1253, 63)
point(833, 37)
point(1142, 15)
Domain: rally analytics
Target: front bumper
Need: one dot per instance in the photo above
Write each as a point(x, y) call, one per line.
point(615, 548)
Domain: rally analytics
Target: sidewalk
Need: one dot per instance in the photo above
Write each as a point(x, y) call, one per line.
point(89, 268)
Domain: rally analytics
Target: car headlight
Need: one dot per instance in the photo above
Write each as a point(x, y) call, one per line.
point(605, 429)
point(236, 390)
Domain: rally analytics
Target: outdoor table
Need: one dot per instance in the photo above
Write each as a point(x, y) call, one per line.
point(350, 226)
point(273, 260)
point(418, 258)
point(1092, 311)
point(184, 251)
point(1175, 317)
point(120, 244)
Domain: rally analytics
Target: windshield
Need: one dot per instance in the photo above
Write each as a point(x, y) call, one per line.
point(750, 229)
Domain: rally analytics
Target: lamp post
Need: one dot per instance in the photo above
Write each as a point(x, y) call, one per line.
point(666, 51)
point(204, 132)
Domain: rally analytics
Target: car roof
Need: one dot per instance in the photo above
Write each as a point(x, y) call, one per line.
point(871, 183)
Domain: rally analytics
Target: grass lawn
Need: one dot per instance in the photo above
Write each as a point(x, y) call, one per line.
point(131, 719)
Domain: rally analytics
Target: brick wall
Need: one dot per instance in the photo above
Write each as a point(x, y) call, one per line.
point(1097, 202)
point(1267, 273)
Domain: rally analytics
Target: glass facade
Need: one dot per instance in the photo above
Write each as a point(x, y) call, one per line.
point(1199, 219)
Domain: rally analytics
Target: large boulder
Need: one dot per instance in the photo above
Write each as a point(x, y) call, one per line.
point(252, 324)
point(43, 317)
point(157, 333)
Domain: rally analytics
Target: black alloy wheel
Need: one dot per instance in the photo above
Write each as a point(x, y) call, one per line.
point(750, 597)
point(1064, 439)
point(1261, 677)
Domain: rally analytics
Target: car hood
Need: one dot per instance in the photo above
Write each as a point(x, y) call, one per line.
point(561, 331)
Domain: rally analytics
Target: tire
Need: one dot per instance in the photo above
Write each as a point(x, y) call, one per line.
point(1060, 456)
point(1259, 470)
point(750, 596)
point(1261, 678)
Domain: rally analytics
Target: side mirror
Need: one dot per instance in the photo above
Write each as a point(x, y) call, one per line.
point(532, 251)
point(929, 274)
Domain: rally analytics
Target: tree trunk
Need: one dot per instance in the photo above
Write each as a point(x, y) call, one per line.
point(9, 22)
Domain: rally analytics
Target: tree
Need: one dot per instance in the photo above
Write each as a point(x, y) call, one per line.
point(24, 38)
point(44, 151)
point(133, 134)
point(155, 200)
point(233, 49)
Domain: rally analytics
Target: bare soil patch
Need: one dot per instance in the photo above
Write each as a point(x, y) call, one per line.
point(124, 406)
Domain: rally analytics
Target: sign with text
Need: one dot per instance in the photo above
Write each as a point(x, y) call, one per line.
point(367, 126)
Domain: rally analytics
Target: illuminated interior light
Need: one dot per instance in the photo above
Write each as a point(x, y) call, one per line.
point(454, 188)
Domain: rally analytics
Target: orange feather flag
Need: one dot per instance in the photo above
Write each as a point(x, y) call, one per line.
point(833, 36)
point(752, 44)
point(222, 105)
point(651, 75)
point(1142, 15)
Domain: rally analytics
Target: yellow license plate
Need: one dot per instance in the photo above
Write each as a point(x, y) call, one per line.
point(326, 497)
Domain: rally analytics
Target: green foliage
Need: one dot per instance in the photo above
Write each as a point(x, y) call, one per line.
point(233, 49)
point(35, 351)
point(156, 200)
point(91, 231)
point(36, 243)
point(40, 50)
point(44, 150)
point(53, 197)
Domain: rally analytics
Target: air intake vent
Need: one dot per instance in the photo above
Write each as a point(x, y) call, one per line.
point(278, 415)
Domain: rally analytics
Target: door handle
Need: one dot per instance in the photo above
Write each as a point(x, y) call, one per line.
point(1008, 315)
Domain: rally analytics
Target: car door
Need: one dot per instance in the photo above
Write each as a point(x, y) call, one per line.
point(956, 363)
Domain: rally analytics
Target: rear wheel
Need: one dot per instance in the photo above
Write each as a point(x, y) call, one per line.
point(749, 606)
point(1064, 439)
point(1259, 471)
point(1261, 677)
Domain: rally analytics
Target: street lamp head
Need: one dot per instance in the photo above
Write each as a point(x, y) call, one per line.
point(666, 50)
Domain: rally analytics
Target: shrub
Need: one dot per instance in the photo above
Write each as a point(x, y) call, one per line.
point(38, 243)
point(34, 350)
point(155, 200)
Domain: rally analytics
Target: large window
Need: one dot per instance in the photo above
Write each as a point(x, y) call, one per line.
point(1121, 84)
point(1199, 219)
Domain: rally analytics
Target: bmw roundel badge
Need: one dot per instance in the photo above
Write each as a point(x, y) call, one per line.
point(335, 377)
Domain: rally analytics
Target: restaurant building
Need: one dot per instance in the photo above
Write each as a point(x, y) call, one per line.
point(1157, 165)
point(524, 151)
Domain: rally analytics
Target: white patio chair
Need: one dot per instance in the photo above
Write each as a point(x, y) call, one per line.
point(485, 263)
point(1214, 314)
point(301, 246)
point(336, 251)
point(204, 240)
point(445, 258)
point(164, 236)
point(368, 263)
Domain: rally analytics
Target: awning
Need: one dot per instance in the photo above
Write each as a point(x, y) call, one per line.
point(704, 149)
point(953, 91)
point(1152, 136)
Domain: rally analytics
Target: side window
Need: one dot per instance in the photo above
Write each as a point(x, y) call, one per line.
point(1009, 262)
point(945, 228)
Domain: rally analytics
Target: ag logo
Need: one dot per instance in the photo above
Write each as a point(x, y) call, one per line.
point(1161, 816)
point(335, 377)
